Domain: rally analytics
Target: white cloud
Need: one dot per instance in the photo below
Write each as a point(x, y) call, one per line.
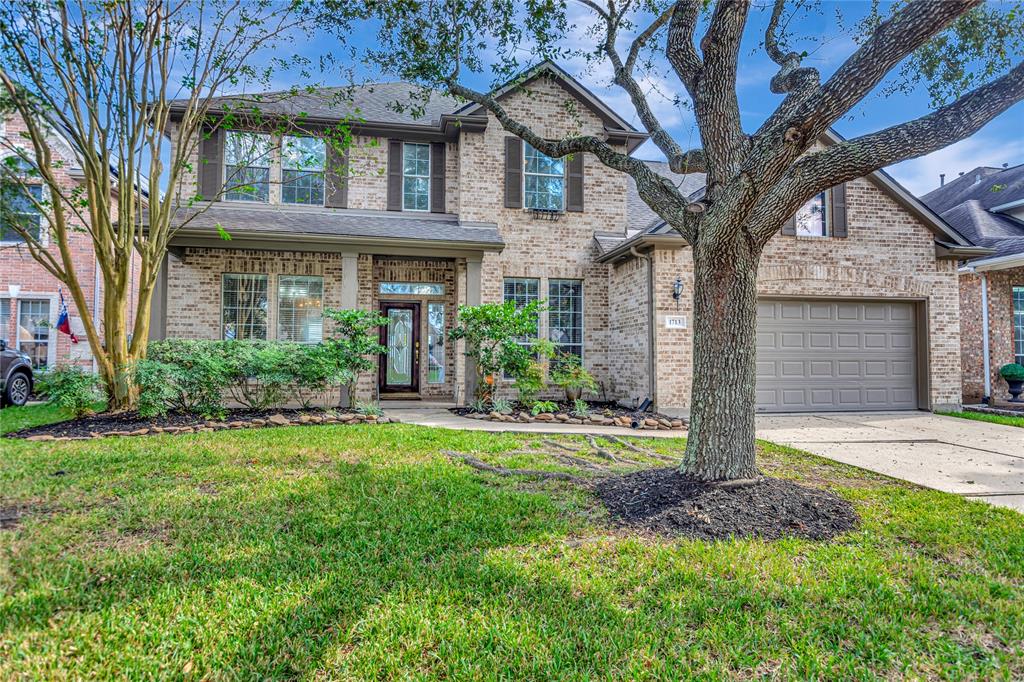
point(921, 175)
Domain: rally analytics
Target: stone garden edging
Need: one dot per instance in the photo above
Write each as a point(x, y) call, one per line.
point(649, 423)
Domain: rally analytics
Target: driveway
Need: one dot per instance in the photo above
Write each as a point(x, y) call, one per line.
point(971, 458)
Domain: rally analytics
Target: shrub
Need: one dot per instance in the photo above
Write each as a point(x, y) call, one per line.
point(496, 336)
point(542, 406)
point(354, 343)
point(478, 405)
point(259, 372)
point(183, 375)
point(71, 388)
point(501, 406)
point(1012, 372)
point(530, 382)
point(569, 374)
point(580, 408)
point(370, 409)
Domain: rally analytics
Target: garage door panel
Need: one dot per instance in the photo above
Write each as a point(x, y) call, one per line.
point(848, 355)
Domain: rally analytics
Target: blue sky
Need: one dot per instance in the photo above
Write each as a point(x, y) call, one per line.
point(827, 37)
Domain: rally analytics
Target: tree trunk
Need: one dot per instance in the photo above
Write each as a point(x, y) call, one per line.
point(720, 444)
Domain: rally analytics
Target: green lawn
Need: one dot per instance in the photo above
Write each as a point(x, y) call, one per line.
point(986, 417)
point(341, 552)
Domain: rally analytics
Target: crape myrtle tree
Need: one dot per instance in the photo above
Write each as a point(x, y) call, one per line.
point(964, 52)
point(103, 76)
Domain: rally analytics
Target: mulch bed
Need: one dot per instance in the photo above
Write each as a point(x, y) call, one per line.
point(666, 502)
point(131, 424)
point(601, 414)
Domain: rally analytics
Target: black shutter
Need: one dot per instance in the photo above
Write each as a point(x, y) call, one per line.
point(574, 195)
point(211, 164)
point(336, 177)
point(437, 177)
point(394, 175)
point(837, 211)
point(789, 227)
point(513, 172)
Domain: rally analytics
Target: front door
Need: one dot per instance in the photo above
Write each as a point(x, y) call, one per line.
point(400, 364)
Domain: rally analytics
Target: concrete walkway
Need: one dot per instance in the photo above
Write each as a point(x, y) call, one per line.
point(971, 458)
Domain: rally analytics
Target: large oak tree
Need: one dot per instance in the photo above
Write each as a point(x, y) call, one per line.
point(961, 50)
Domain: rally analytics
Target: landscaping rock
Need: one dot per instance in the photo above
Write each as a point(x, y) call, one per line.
point(237, 425)
point(258, 422)
point(41, 437)
point(305, 419)
point(278, 420)
point(545, 417)
point(651, 422)
point(138, 432)
point(562, 417)
point(666, 423)
point(677, 423)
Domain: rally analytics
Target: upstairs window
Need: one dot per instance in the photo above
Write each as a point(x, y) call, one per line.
point(811, 220)
point(302, 170)
point(18, 212)
point(543, 181)
point(247, 166)
point(415, 177)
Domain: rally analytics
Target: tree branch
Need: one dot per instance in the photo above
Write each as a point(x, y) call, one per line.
point(860, 156)
point(681, 52)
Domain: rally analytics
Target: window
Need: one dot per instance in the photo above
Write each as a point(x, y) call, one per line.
point(415, 177)
point(300, 309)
point(247, 166)
point(244, 306)
point(1018, 325)
point(411, 288)
point(34, 331)
point(302, 170)
point(522, 290)
point(16, 207)
point(435, 343)
point(565, 315)
point(811, 219)
point(544, 181)
point(5, 318)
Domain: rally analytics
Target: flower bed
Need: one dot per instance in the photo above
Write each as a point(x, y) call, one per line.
point(132, 424)
point(601, 414)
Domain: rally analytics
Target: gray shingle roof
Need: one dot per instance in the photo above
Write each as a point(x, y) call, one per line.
point(264, 220)
point(988, 186)
point(639, 214)
point(373, 102)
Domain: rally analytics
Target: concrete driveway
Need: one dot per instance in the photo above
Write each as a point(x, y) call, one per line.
point(971, 458)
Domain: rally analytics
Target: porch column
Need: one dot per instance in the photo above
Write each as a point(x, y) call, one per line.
point(474, 266)
point(349, 300)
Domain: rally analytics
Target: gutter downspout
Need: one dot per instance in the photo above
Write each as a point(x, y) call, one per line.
point(651, 363)
point(984, 338)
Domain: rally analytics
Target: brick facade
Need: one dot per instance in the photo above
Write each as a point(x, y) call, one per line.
point(1001, 336)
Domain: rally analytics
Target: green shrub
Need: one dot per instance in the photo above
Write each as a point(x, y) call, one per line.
point(569, 374)
point(370, 409)
point(501, 406)
point(260, 372)
point(354, 343)
point(580, 409)
point(1012, 372)
point(530, 382)
point(183, 375)
point(478, 405)
point(542, 406)
point(71, 388)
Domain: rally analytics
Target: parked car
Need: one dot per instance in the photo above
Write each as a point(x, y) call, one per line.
point(15, 376)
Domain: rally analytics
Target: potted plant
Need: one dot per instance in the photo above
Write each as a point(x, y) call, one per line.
point(570, 375)
point(1013, 374)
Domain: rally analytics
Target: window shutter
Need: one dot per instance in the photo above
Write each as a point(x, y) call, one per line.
point(336, 178)
point(394, 175)
point(837, 210)
point(574, 195)
point(513, 172)
point(437, 177)
point(789, 227)
point(211, 164)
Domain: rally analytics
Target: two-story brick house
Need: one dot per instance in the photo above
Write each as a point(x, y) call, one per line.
point(29, 294)
point(860, 307)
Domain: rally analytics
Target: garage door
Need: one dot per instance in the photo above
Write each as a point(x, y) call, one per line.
point(817, 356)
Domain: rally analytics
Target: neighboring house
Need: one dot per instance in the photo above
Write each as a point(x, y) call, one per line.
point(987, 206)
point(29, 295)
point(859, 308)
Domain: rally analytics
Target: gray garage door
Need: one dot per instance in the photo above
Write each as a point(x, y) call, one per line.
point(816, 356)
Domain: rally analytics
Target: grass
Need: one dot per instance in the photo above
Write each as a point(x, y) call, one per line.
point(987, 417)
point(16, 418)
point(353, 552)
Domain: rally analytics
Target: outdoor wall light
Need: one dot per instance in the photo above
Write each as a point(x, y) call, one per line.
point(677, 289)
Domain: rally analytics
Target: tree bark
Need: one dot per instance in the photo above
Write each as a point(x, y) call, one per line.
point(720, 443)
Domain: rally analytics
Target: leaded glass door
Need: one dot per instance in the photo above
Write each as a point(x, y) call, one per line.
point(399, 364)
